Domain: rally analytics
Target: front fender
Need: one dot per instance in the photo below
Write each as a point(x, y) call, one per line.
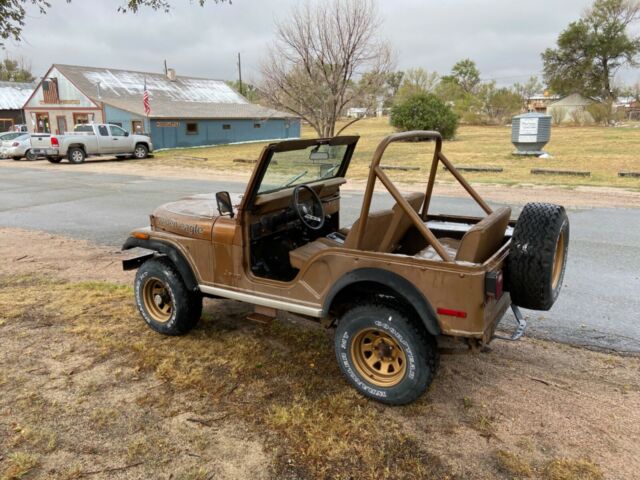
point(159, 247)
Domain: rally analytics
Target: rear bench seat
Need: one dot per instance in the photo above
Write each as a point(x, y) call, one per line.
point(478, 244)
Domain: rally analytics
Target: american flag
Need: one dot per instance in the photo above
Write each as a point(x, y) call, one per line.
point(145, 99)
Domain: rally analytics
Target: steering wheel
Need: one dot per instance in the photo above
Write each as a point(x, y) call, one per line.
point(311, 215)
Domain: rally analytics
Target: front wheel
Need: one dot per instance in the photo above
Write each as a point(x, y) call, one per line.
point(163, 300)
point(140, 152)
point(385, 354)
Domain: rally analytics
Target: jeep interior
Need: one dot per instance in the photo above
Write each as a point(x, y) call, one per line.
point(295, 213)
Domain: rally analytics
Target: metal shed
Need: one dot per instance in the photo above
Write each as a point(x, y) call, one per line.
point(13, 96)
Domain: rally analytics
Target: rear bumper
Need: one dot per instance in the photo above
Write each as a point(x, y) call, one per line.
point(46, 152)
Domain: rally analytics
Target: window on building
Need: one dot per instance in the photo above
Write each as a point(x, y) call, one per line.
point(257, 125)
point(103, 130)
point(137, 127)
point(80, 118)
point(192, 128)
point(226, 126)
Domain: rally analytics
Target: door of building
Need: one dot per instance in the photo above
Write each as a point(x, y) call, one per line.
point(62, 125)
point(42, 123)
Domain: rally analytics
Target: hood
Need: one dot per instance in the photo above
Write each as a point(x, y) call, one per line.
point(191, 216)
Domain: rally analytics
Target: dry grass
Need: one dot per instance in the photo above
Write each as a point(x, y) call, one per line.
point(513, 465)
point(567, 469)
point(603, 151)
point(280, 382)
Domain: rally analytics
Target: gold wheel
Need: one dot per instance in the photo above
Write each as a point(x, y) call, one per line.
point(157, 300)
point(378, 357)
point(558, 262)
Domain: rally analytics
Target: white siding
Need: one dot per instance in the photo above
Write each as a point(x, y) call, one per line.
point(69, 95)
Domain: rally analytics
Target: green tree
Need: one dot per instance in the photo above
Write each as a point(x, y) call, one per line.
point(15, 71)
point(498, 104)
point(13, 12)
point(424, 111)
point(465, 74)
point(417, 80)
point(591, 50)
point(526, 90)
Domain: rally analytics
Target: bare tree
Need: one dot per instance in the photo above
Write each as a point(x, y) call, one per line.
point(319, 52)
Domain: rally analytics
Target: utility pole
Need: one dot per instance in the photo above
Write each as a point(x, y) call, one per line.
point(240, 75)
point(165, 67)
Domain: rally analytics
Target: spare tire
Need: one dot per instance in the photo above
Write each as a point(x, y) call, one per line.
point(538, 256)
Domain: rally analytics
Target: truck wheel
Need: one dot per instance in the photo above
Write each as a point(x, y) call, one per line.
point(140, 151)
point(76, 155)
point(385, 354)
point(163, 299)
point(54, 159)
point(538, 256)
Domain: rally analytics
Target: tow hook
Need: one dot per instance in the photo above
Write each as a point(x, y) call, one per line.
point(520, 329)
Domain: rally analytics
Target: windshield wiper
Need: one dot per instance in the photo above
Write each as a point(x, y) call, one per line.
point(295, 179)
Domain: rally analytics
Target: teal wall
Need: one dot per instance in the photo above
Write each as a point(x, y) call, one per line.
point(209, 132)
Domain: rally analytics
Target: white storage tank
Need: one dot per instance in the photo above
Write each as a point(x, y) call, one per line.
point(530, 132)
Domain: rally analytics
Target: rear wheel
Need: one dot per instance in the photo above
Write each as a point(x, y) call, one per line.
point(385, 354)
point(141, 151)
point(163, 300)
point(538, 256)
point(30, 155)
point(76, 155)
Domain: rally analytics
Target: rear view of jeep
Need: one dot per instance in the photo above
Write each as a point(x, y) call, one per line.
point(390, 285)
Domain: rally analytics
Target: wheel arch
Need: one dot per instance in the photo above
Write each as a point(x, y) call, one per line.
point(171, 252)
point(373, 280)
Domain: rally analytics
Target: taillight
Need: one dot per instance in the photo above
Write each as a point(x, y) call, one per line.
point(494, 284)
point(55, 142)
point(15, 144)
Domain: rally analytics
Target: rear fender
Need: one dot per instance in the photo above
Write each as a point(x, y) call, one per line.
point(392, 281)
point(155, 248)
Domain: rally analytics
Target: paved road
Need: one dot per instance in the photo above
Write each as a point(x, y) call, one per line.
point(599, 305)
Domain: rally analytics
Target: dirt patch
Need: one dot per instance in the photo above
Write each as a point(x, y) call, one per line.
point(87, 388)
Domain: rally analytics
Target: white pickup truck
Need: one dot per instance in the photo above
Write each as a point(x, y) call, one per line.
point(90, 139)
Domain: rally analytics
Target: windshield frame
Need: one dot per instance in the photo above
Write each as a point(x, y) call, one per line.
point(291, 145)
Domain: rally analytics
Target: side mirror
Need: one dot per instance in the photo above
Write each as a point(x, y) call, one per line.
point(225, 207)
point(126, 134)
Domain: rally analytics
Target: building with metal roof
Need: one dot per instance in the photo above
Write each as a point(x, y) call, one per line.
point(184, 111)
point(571, 109)
point(13, 95)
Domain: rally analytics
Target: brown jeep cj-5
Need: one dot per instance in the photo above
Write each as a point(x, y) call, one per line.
point(390, 285)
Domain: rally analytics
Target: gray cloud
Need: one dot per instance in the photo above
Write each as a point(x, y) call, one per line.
point(504, 37)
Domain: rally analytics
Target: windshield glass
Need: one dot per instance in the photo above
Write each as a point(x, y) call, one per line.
point(291, 168)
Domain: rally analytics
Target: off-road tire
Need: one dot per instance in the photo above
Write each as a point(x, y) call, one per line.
point(76, 155)
point(186, 305)
point(140, 151)
point(538, 256)
point(419, 349)
point(54, 159)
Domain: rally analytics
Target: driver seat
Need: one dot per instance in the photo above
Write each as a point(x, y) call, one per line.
point(385, 229)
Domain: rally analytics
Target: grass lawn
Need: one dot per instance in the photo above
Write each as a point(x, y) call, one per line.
point(602, 151)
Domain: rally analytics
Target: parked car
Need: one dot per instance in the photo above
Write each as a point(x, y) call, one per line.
point(17, 147)
point(5, 136)
point(391, 284)
point(91, 139)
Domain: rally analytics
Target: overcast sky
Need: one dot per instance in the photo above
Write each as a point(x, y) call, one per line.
point(504, 37)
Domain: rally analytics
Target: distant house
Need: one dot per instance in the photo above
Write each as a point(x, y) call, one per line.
point(13, 95)
point(540, 102)
point(571, 109)
point(185, 111)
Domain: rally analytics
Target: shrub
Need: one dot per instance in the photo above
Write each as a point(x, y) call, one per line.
point(424, 111)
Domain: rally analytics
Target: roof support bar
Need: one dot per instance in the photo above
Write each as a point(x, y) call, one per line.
point(375, 172)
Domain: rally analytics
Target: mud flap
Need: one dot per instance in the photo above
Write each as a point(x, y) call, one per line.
point(134, 257)
point(520, 329)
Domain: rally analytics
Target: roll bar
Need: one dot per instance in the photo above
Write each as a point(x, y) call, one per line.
point(419, 220)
